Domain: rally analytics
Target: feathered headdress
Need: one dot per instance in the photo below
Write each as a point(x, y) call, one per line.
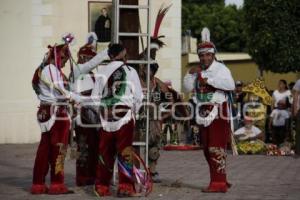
point(68, 38)
point(91, 39)
point(56, 50)
point(155, 39)
point(54, 53)
point(89, 49)
point(85, 52)
point(205, 35)
point(206, 45)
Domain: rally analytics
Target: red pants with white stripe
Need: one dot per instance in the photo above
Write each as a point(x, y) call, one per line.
point(215, 138)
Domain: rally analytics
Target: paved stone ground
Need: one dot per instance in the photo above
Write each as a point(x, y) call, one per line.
point(183, 174)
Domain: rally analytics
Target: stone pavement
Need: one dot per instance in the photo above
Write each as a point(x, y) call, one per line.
point(183, 174)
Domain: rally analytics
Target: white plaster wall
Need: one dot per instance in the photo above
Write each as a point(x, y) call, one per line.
point(169, 57)
point(17, 100)
point(28, 26)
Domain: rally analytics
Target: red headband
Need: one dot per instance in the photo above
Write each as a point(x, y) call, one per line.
point(56, 51)
point(206, 47)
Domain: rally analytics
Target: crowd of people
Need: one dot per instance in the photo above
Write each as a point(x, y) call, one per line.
point(273, 122)
point(264, 121)
point(106, 111)
point(110, 101)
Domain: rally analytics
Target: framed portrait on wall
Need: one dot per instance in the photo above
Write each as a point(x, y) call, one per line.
point(100, 19)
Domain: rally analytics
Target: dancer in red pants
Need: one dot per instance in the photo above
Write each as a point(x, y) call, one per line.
point(50, 86)
point(49, 83)
point(210, 83)
point(120, 96)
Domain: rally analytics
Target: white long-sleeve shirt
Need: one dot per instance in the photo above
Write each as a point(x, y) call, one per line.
point(133, 96)
point(250, 132)
point(52, 87)
point(278, 96)
point(218, 76)
point(82, 69)
point(82, 79)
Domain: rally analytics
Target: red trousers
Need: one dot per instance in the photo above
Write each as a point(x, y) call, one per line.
point(215, 138)
point(112, 144)
point(87, 145)
point(52, 149)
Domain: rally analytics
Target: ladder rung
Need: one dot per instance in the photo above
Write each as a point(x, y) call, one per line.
point(133, 7)
point(139, 144)
point(140, 61)
point(134, 34)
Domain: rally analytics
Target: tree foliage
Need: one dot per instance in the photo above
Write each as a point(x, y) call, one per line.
point(273, 33)
point(208, 2)
point(224, 22)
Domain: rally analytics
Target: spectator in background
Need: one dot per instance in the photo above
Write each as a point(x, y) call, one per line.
point(279, 119)
point(282, 93)
point(239, 94)
point(296, 114)
point(267, 127)
point(291, 85)
point(238, 104)
point(248, 132)
point(249, 138)
point(193, 134)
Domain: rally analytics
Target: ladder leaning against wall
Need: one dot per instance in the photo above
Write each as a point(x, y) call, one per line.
point(116, 36)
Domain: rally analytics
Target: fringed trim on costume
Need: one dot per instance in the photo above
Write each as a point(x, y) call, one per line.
point(58, 189)
point(218, 97)
point(38, 189)
point(102, 190)
point(216, 187)
point(116, 125)
point(47, 125)
point(206, 121)
point(126, 190)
